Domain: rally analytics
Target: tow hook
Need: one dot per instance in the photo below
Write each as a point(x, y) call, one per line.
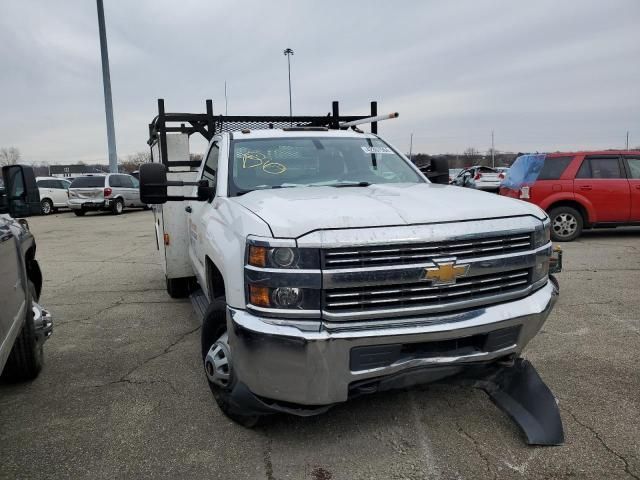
point(43, 323)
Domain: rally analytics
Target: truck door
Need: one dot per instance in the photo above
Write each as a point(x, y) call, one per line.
point(11, 285)
point(198, 214)
point(633, 173)
point(601, 179)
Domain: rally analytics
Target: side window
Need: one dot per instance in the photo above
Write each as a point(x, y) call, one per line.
point(211, 165)
point(605, 168)
point(41, 183)
point(634, 167)
point(585, 169)
point(59, 184)
point(125, 181)
point(554, 167)
point(135, 181)
point(114, 181)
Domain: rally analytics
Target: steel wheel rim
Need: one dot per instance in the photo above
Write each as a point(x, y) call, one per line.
point(565, 225)
point(119, 207)
point(217, 364)
point(46, 208)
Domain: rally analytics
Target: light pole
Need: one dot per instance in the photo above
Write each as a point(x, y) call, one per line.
point(106, 84)
point(288, 52)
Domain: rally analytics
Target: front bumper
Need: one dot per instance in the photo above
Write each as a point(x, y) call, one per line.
point(285, 363)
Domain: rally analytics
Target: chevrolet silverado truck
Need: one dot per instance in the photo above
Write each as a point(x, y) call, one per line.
point(24, 324)
point(331, 267)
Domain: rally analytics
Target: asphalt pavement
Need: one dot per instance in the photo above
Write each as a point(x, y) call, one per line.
point(123, 393)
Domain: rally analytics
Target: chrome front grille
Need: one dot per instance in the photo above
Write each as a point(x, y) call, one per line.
point(415, 253)
point(480, 288)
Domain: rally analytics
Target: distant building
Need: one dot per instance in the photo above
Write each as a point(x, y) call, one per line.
point(75, 170)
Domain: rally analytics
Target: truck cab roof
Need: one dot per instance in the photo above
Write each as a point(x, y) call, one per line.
point(306, 133)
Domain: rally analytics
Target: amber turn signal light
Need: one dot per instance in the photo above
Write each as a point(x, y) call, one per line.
point(259, 296)
point(257, 256)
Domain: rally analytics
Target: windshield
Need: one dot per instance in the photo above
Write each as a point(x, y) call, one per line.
point(293, 162)
point(87, 182)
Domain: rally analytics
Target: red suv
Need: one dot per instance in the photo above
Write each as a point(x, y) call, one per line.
point(579, 190)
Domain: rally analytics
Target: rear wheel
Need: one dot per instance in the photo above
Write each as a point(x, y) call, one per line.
point(179, 287)
point(80, 213)
point(218, 365)
point(566, 224)
point(47, 206)
point(118, 206)
point(26, 357)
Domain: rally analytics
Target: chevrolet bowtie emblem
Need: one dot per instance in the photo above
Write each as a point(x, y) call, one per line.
point(445, 273)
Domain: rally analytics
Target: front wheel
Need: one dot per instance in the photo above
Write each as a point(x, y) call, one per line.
point(218, 364)
point(566, 224)
point(79, 213)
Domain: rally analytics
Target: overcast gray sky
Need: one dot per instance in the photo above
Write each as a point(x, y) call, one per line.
point(544, 75)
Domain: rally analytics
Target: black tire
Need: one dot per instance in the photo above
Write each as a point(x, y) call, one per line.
point(26, 357)
point(214, 327)
point(147, 207)
point(79, 213)
point(179, 287)
point(46, 206)
point(117, 207)
point(566, 224)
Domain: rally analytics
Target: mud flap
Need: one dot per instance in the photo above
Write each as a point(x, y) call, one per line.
point(518, 390)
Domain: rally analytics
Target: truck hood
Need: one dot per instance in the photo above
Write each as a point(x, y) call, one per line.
point(293, 212)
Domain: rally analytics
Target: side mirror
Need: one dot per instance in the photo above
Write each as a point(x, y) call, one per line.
point(438, 171)
point(153, 183)
point(22, 198)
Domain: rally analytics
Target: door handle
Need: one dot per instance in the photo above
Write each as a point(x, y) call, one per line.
point(586, 187)
point(188, 209)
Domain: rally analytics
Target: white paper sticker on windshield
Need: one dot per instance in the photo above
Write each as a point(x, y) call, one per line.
point(376, 150)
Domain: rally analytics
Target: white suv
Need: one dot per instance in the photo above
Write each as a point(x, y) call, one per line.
point(112, 192)
point(54, 193)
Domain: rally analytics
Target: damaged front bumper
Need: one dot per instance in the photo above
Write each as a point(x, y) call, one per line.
point(285, 364)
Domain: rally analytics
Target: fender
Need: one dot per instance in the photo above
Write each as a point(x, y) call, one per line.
point(224, 241)
point(570, 197)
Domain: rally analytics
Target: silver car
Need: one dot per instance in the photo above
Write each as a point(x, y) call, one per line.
point(112, 192)
point(480, 178)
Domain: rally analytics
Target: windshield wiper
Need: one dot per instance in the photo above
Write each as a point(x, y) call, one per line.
point(350, 184)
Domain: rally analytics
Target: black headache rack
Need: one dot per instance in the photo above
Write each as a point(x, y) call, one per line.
point(207, 124)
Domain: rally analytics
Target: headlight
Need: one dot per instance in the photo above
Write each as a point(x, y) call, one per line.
point(541, 268)
point(283, 257)
point(542, 236)
point(289, 298)
point(282, 280)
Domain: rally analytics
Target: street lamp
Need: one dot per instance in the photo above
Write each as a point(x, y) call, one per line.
point(288, 52)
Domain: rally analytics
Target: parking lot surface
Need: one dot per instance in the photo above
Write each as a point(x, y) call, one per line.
point(123, 394)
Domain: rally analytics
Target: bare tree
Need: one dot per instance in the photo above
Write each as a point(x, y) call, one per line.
point(133, 161)
point(9, 156)
point(472, 156)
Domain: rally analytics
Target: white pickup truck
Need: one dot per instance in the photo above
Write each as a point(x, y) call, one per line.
point(331, 267)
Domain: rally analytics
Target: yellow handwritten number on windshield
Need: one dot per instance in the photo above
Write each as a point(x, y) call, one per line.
point(257, 159)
